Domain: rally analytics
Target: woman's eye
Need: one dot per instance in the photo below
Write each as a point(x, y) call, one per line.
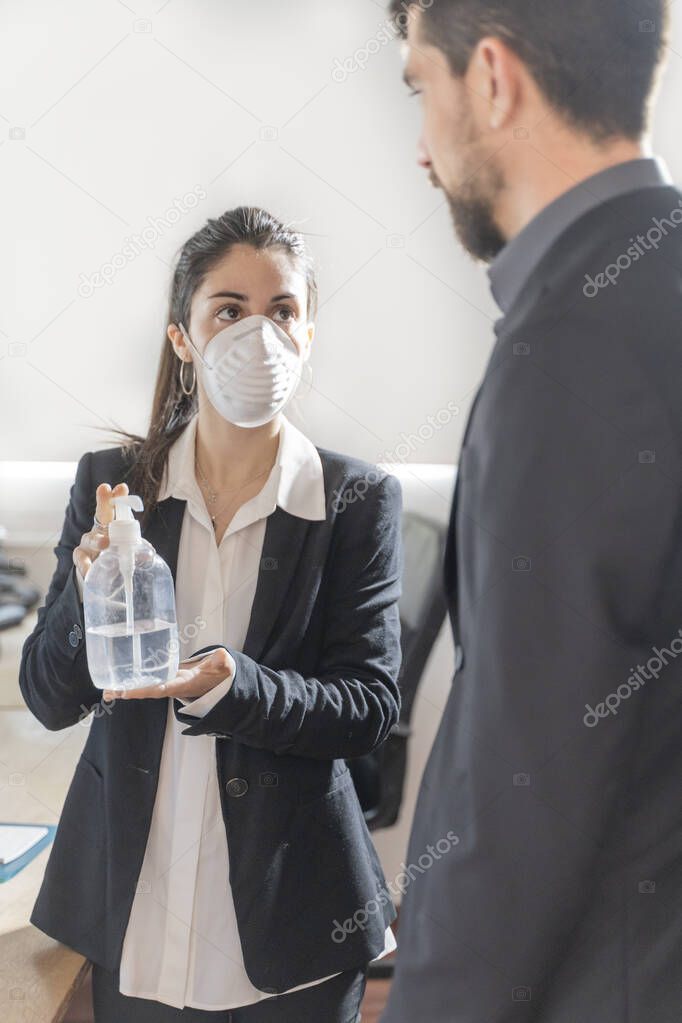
point(290, 317)
point(229, 309)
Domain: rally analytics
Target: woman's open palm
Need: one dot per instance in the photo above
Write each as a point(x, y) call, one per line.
point(195, 679)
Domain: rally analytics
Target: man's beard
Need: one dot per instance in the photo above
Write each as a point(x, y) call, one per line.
point(475, 226)
point(472, 204)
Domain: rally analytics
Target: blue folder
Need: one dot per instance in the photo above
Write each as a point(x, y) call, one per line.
point(8, 870)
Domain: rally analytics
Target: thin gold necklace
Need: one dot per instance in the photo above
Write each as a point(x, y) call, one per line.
point(213, 496)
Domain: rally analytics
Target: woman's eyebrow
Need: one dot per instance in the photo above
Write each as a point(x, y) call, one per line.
point(245, 298)
point(229, 294)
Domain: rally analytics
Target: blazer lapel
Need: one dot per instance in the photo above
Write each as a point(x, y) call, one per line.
point(163, 530)
point(285, 537)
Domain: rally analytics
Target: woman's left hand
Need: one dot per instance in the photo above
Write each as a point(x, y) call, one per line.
point(196, 679)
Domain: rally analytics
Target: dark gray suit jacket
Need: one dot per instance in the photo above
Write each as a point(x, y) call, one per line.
point(558, 763)
point(315, 684)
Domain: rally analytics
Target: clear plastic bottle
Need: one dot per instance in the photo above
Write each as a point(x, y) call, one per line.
point(131, 633)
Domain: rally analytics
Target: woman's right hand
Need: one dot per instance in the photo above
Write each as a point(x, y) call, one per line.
point(93, 543)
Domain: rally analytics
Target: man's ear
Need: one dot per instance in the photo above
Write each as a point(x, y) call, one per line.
point(494, 78)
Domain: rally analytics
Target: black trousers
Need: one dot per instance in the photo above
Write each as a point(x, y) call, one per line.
point(333, 1001)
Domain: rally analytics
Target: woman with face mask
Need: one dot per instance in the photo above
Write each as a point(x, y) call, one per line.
point(212, 859)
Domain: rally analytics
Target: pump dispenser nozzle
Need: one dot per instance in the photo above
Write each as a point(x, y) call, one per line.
point(125, 528)
point(125, 533)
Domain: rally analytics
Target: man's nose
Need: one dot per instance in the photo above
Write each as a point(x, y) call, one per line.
point(423, 155)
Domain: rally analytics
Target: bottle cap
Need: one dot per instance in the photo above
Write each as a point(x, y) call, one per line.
point(125, 529)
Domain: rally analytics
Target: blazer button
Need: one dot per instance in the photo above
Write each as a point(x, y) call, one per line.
point(236, 786)
point(459, 657)
point(75, 635)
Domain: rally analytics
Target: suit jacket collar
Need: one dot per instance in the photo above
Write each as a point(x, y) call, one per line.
point(593, 240)
point(522, 254)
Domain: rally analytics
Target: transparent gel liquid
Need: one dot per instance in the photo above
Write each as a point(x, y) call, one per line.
point(123, 658)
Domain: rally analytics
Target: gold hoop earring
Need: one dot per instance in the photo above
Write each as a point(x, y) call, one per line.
point(182, 378)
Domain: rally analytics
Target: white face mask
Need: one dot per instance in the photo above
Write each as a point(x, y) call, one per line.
point(249, 370)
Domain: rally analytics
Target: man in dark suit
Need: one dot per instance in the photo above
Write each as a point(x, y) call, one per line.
point(558, 761)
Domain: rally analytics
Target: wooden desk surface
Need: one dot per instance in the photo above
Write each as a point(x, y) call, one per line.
point(38, 975)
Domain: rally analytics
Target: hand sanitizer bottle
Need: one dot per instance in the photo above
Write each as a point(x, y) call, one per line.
point(131, 634)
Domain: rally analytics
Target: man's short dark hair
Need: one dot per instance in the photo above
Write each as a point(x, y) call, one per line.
point(594, 60)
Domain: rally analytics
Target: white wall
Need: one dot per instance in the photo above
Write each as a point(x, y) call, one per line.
point(119, 123)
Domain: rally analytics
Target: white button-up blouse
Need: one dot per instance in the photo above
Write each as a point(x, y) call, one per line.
point(181, 945)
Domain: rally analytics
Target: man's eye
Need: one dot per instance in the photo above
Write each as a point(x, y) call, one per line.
point(414, 92)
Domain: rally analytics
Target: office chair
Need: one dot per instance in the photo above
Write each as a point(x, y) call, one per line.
point(379, 776)
point(17, 596)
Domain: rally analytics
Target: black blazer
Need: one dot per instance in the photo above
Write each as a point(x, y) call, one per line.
point(316, 684)
point(562, 901)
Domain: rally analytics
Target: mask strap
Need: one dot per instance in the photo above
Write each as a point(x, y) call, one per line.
point(189, 339)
